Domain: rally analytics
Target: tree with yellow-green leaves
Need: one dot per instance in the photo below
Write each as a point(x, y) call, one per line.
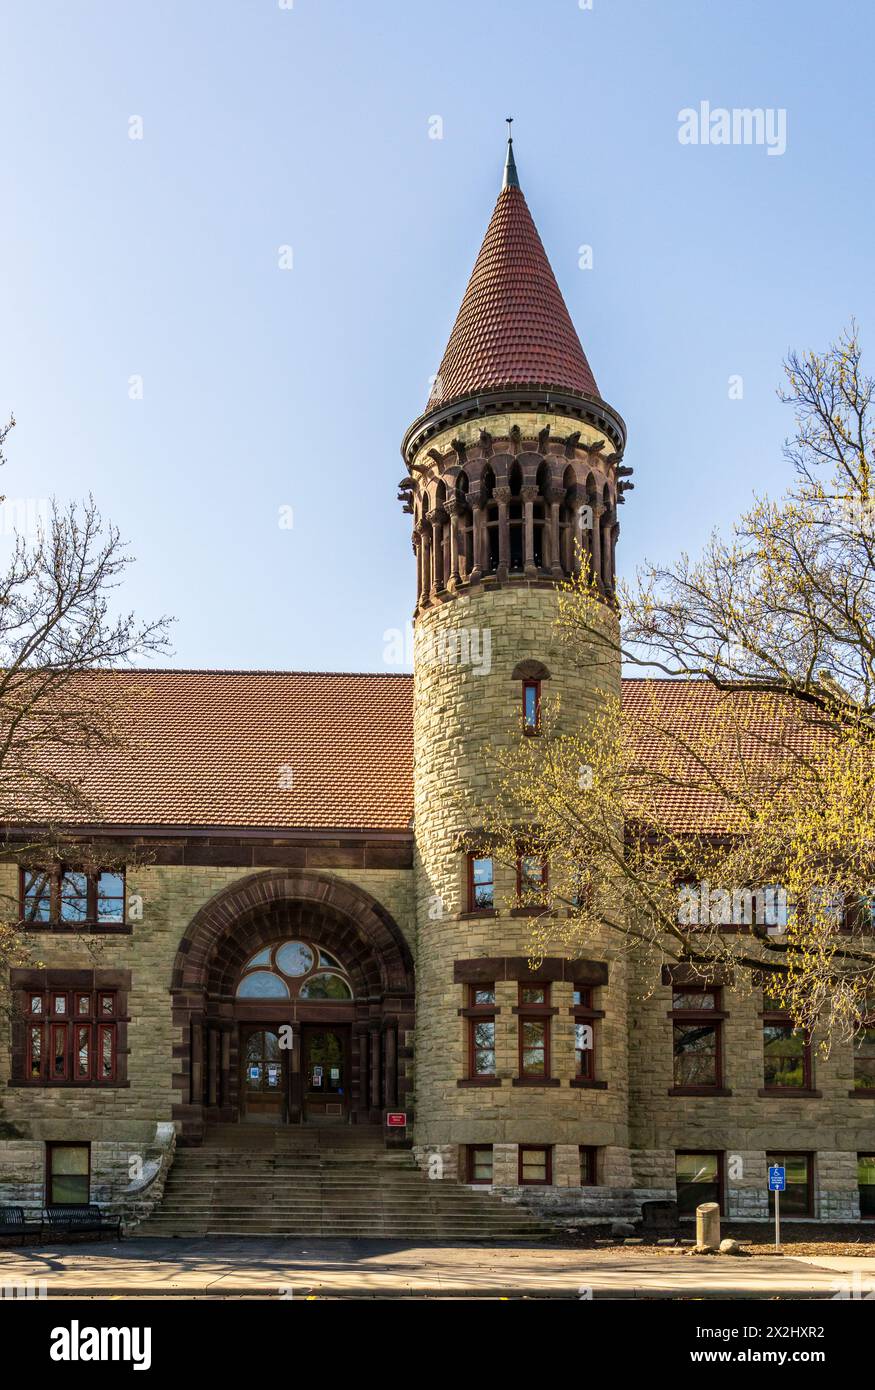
point(733, 830)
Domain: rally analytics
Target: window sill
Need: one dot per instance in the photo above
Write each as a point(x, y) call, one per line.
point(536, 1081)
point(477, 912)
point(700, 1091)
point(583, 1084)
point(536, 910)
point(69, 1085)
point(788, 1093)
point(71, 928)
point(863, 1093)
point(534, 1010)
point(697, 1016)
point(486, 1011)
point(479, 1081)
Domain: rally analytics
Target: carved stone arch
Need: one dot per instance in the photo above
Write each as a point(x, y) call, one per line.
point(529, 463)
point(475, 469)
point(261, 902)
point(260, 910)
point(530, 670)
point(501, 465)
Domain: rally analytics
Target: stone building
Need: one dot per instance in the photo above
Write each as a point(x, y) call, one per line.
point(301, 944)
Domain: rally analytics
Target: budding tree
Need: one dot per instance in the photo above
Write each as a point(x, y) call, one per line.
point(758, 785)
point(62, 638)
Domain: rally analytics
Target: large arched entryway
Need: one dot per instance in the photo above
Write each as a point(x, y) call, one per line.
point(294, 994)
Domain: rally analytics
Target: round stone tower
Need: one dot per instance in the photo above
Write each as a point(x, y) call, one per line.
point(515, 476)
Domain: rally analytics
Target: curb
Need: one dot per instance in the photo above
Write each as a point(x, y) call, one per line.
point(440, 1291)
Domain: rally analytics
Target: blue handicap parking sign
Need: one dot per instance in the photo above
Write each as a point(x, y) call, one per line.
point(777, 1178)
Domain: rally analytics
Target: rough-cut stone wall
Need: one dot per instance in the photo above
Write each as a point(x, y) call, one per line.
point(23, 1174)
point(744, 1126)
point(120, 1122)
point(461, 712)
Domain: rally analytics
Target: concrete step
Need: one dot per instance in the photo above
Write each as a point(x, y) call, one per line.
point(322, 1183)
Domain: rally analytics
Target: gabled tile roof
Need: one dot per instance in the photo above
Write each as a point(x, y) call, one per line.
point(513, 328)
point(756, 732)
point(300, 750)
point(284, 749)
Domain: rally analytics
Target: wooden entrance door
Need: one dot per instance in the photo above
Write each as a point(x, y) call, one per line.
point(263, 1083)
point(325, 1073)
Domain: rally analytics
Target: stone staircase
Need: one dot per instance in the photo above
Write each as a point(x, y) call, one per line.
point(254, 1180)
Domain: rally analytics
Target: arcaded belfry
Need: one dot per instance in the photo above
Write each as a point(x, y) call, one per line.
point(515, 477)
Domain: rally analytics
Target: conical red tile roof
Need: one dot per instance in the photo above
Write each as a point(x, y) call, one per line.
point(513, 328)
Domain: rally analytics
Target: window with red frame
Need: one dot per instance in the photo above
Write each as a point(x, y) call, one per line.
point(531, 707)
point(588, 1166)
point(797, 1199)
point(481, 1031)
point(531, 876)
point(534, 1014)
point(866, 1185)
point(535, 1165)
point(481, 883)
point(72, 1036)
point(480, 1163)
point(68, 1174)
point(864, 1052)
point(697, 1037)
point(698, 1178)
point(585, 1021)
point(786, 1050)
point(69, 897)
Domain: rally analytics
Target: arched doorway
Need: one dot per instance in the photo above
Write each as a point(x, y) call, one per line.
point(294, 994)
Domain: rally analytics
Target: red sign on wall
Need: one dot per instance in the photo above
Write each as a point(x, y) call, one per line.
point(396, 1119)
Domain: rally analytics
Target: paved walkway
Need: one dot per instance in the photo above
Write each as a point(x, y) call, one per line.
point(384, 1268)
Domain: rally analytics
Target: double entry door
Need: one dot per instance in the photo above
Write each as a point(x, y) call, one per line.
point(305, 1083)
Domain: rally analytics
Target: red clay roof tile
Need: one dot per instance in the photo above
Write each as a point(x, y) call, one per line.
point(307, 750)
point(513, 328)
point(298, 750)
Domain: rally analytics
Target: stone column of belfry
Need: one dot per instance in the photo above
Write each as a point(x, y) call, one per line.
point(418, 551)
point(478, 521)
point(425, 590)
point(519, 415)
point(554, 499)
point(502, 497)
point(452, 509)
point(595, 544)
point(529, 496)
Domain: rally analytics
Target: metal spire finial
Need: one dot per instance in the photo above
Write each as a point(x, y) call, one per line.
point(511, 178)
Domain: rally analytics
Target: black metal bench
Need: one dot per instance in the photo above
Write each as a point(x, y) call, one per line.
point(12, 1222)
point(79, 1221)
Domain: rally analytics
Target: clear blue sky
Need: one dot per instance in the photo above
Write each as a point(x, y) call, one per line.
point(309, 127)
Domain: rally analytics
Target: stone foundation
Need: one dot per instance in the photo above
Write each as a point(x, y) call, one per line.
point(127, 1179)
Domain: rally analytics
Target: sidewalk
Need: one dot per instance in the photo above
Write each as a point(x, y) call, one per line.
point(387, 1269)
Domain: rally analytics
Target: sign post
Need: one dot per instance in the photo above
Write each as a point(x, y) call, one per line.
point(777, 1184)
